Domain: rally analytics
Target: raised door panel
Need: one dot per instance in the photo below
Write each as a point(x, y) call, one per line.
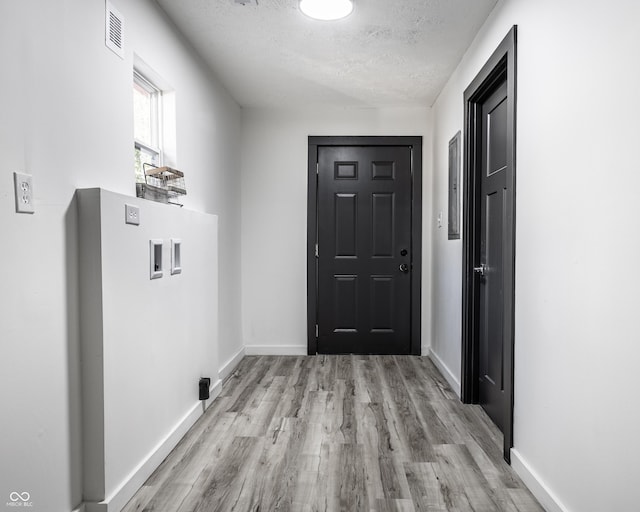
point(497, 138)
point(346, 225)
point(382, 304)
point(383, 222)
point(345, 304)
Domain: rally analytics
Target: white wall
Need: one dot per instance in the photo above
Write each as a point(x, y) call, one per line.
point(274, 214)
point(577, 241)
point(67, 119)
point(208, 149)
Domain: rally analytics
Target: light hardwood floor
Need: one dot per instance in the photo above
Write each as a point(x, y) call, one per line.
point(337, 433)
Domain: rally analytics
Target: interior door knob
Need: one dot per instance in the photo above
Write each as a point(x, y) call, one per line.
point(404, 268)
point(480, 270)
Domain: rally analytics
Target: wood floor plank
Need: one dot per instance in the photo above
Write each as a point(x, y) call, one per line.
point(280, 465)
point(314, 478)
point(224, 485)
point(326, 370)
point(177, 474)
point(523, 500)
point(238, 379)
point(336, 434)
point(467, 485)
point(436, 384)
point(360, 365)
point(414, 381)
point(425, 487)
point(394, 506)
point(248, 386)
point(347, 489)
point(389, 452)
point(456, 428)
point(497, 472)
point(294, 394)
point(257, 418)
point(412, 430)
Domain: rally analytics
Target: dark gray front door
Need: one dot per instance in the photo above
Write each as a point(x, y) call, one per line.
point(364, 249)
point(494, 222)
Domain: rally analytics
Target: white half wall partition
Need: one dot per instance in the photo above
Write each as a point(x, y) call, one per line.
point(145, 343)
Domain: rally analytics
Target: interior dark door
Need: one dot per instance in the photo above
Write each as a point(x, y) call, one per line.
point(364, 249)
point(488, 241)
point(493, 225)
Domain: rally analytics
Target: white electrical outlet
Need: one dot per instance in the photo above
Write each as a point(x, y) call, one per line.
point(23, 186)
point(131, 214)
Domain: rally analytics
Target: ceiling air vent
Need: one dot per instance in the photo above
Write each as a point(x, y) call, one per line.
point(114, 30)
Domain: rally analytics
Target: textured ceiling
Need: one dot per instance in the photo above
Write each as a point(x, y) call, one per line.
point(387, 53)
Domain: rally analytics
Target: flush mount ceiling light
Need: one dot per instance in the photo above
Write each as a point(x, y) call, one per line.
point(326, 10)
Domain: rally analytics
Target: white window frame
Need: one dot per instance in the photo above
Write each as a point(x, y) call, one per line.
point(155, 149)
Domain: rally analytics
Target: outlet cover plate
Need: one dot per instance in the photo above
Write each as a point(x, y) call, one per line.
point(23, 186)
point(132, 214)
point(155, 258)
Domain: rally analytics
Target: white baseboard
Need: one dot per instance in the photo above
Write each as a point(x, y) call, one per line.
point(276, 350)
point(80, 508)
point(95, 507)
point(445, 371)
point(120, 497)
point(535, 484)
point(228, 367)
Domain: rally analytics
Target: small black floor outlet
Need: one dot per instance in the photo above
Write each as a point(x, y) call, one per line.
point(205, 383)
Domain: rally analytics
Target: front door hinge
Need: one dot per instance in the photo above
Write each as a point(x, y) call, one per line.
point(316, 331)
point(317, 168)
point(316, 250)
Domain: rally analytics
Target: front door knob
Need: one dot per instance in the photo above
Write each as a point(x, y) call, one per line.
point(404, 268)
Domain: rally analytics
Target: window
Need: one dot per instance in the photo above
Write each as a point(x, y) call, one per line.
point(147, 124)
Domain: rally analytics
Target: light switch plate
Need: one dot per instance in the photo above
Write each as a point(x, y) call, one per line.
point(132, 214)
point(23, 186)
